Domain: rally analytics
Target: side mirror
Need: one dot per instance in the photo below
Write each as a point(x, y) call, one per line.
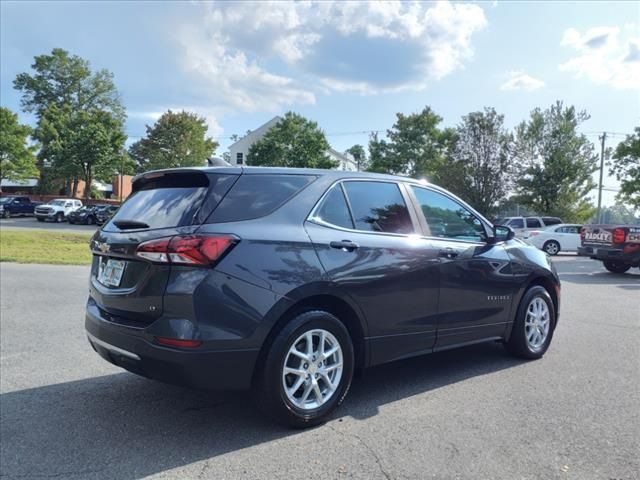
point(501, 233)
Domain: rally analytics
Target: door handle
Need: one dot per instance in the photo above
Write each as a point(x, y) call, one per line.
point(345, 245)
point(447, 253)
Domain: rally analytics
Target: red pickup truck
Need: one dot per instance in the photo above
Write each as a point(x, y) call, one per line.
point(617, 246)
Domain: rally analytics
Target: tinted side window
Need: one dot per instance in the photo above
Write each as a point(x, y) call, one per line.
point(254, 196)
point(378, 207)
point(551, 220)
point(447, 218)
point(334, 209)
point(533, 223)
point(516, 223)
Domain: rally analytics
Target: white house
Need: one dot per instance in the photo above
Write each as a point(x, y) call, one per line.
point(239, 150)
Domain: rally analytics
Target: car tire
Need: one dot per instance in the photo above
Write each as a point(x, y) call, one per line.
point(91, 220)
point(534, 324)
point(6, 214)
point(40, 219)
point(551, 247)
point(615, 266)
point(59, 218)
point(301, 406)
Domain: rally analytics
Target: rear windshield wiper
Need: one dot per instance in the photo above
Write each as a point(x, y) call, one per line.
point(129, 224)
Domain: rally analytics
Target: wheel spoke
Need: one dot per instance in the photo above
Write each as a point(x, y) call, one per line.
point(295, 371)
point(331, 351)
point(299, 354)
point(332, 367)
point(307, 390)
point(309, 339)
point(296, 386)
point(328, 381)
point(323, 336)
point(317, 392)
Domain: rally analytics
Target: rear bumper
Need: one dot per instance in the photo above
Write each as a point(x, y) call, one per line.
point(607, 253)
point(134, 350)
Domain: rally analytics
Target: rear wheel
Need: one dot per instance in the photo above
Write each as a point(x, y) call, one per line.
point(533, 327)
point(551, 247)
point(616, 266)
point(308, 370)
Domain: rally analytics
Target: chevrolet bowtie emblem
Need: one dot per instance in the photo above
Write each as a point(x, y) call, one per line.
point(103, 247)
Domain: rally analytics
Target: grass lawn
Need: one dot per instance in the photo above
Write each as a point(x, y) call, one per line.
point(45, 246)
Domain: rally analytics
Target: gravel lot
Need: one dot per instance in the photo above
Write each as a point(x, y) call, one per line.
point(473, 413)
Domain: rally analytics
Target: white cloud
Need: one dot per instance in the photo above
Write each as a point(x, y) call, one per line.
point(263, 56)
point(519, 80)
point(604, 57)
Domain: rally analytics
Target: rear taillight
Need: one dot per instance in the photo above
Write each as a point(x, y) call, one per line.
point(187, 250)
point(619, 235)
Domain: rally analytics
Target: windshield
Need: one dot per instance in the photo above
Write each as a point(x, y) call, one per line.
point(5, 200)
point(58, 202)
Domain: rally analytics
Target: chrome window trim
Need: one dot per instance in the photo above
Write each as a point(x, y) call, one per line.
point(318, 221)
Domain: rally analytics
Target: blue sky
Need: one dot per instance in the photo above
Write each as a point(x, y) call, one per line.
point(349, 66)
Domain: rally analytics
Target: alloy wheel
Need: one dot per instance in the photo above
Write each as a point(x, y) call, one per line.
point(537, 323)
point(312, 369)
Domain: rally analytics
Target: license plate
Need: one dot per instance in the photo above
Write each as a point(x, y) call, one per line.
point(110, 273)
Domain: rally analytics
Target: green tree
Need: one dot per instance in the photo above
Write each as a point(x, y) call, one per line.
point(555, 163)
point(177, 139)
point(359, 155)
point(64, 94)
point(293, 142)
point(481, 164)
point(619, 214)
point(17, 160)
point(415, 146)
point(626, 167)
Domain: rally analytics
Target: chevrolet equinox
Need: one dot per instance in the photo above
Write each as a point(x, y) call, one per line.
point(288, 280)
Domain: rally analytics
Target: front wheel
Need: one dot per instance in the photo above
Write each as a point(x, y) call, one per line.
point(534, 324)
point(40, 219)
point(59, 217)
point(307, 371)
point(615, 266)
point(6, 214)
point(551, 247)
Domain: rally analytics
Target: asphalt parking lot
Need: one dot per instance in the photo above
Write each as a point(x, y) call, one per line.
point(472, 413)
point(15, 223)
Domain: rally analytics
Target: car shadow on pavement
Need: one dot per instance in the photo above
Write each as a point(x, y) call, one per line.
point(123, 426)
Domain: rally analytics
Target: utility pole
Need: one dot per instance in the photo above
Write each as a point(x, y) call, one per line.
point(602, 139)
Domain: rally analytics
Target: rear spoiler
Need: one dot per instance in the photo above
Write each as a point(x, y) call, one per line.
point(180, 176)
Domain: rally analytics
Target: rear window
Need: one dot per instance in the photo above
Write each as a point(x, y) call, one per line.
point(254, 196)
point(516, 223)
point(551, 220)
point(334, 209)
point(533, 223)
point(173, 200)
